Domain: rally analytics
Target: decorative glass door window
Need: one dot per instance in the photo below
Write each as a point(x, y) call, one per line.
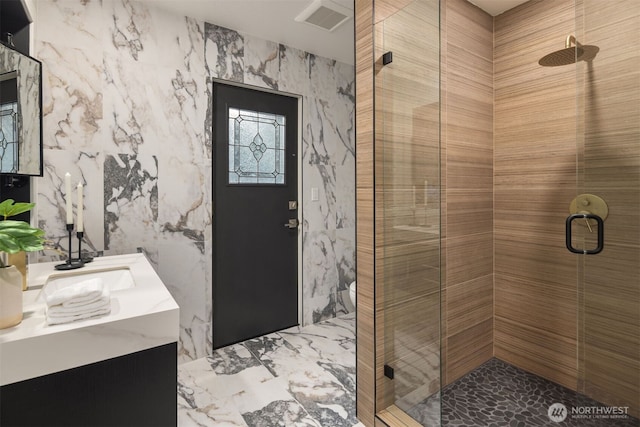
point(256, 147)
point(9, 137)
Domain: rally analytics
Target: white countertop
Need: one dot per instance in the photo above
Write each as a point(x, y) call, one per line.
point(141, 317)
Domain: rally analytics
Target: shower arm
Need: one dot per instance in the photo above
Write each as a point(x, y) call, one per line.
point(571, 39)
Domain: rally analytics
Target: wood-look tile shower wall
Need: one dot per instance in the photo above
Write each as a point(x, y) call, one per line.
point(467, 168)
point(535, 180)
point(561, 131)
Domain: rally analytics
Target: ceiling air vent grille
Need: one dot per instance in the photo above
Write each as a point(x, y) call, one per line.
point(324, 14)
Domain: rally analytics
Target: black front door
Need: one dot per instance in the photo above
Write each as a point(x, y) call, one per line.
point(255, 289)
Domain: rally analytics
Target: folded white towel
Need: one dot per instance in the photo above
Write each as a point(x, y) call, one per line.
point(84, 292)
point(61, 310)
point(55, 320)
point(82, 300)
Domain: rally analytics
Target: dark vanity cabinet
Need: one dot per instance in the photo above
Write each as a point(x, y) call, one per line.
point(133, 390)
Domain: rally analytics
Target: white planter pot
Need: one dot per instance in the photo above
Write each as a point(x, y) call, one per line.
point(10, 297)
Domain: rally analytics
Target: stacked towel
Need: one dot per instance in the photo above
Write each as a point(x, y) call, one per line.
point(81, 300)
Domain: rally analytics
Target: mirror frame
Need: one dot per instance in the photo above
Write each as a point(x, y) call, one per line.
point(17, 61)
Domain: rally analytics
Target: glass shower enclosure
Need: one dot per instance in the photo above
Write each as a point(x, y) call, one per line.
point(608, 168)
point(407, 138)
point(593, 345)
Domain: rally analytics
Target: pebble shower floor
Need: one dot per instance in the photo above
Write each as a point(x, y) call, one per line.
point(497, 394)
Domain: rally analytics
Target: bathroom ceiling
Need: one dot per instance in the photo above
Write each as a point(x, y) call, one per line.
point(496, 7)
point(275, 20)
point(272, 20)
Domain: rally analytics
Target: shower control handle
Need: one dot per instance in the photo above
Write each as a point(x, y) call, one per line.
point(586, 217)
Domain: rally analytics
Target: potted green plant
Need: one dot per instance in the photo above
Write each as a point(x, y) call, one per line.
point(15, 236)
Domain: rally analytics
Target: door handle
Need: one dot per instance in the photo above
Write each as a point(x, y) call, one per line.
point(292, 223)
point(585, 216)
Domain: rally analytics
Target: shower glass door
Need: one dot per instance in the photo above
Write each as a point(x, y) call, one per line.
point(608, 146)
point(407, 141)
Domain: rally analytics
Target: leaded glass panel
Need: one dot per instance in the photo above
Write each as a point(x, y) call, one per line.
point(9, 137)
point(256, 147)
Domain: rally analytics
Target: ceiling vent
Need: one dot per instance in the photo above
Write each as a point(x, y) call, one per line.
point(325, 14)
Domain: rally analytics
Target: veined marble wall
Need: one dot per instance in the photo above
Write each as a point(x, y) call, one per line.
point(127, 110)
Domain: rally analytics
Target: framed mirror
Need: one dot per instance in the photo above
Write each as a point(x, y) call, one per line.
point(20, 113)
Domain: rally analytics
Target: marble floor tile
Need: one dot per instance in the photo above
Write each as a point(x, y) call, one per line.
point(328, 341)
point(197, 406)
point(297, 377)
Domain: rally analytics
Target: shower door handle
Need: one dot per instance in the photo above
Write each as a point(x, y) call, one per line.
point(587, 217)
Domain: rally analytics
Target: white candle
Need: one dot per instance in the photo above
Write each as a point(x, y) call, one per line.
point(67, 187)
point(80, 209)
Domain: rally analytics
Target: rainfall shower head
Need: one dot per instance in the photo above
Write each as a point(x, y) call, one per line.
point(569, 55)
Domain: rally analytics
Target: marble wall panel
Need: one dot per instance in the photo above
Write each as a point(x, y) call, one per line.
point(85, 167)
point(127, 110)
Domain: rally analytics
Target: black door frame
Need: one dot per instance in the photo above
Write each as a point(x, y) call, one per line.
point(300, 194)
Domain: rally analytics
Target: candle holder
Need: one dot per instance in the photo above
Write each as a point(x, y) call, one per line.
point(71, 264)
point(86, 259)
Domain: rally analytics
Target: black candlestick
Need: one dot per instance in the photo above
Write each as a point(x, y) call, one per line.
point(71, 264)
point(80, 258)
